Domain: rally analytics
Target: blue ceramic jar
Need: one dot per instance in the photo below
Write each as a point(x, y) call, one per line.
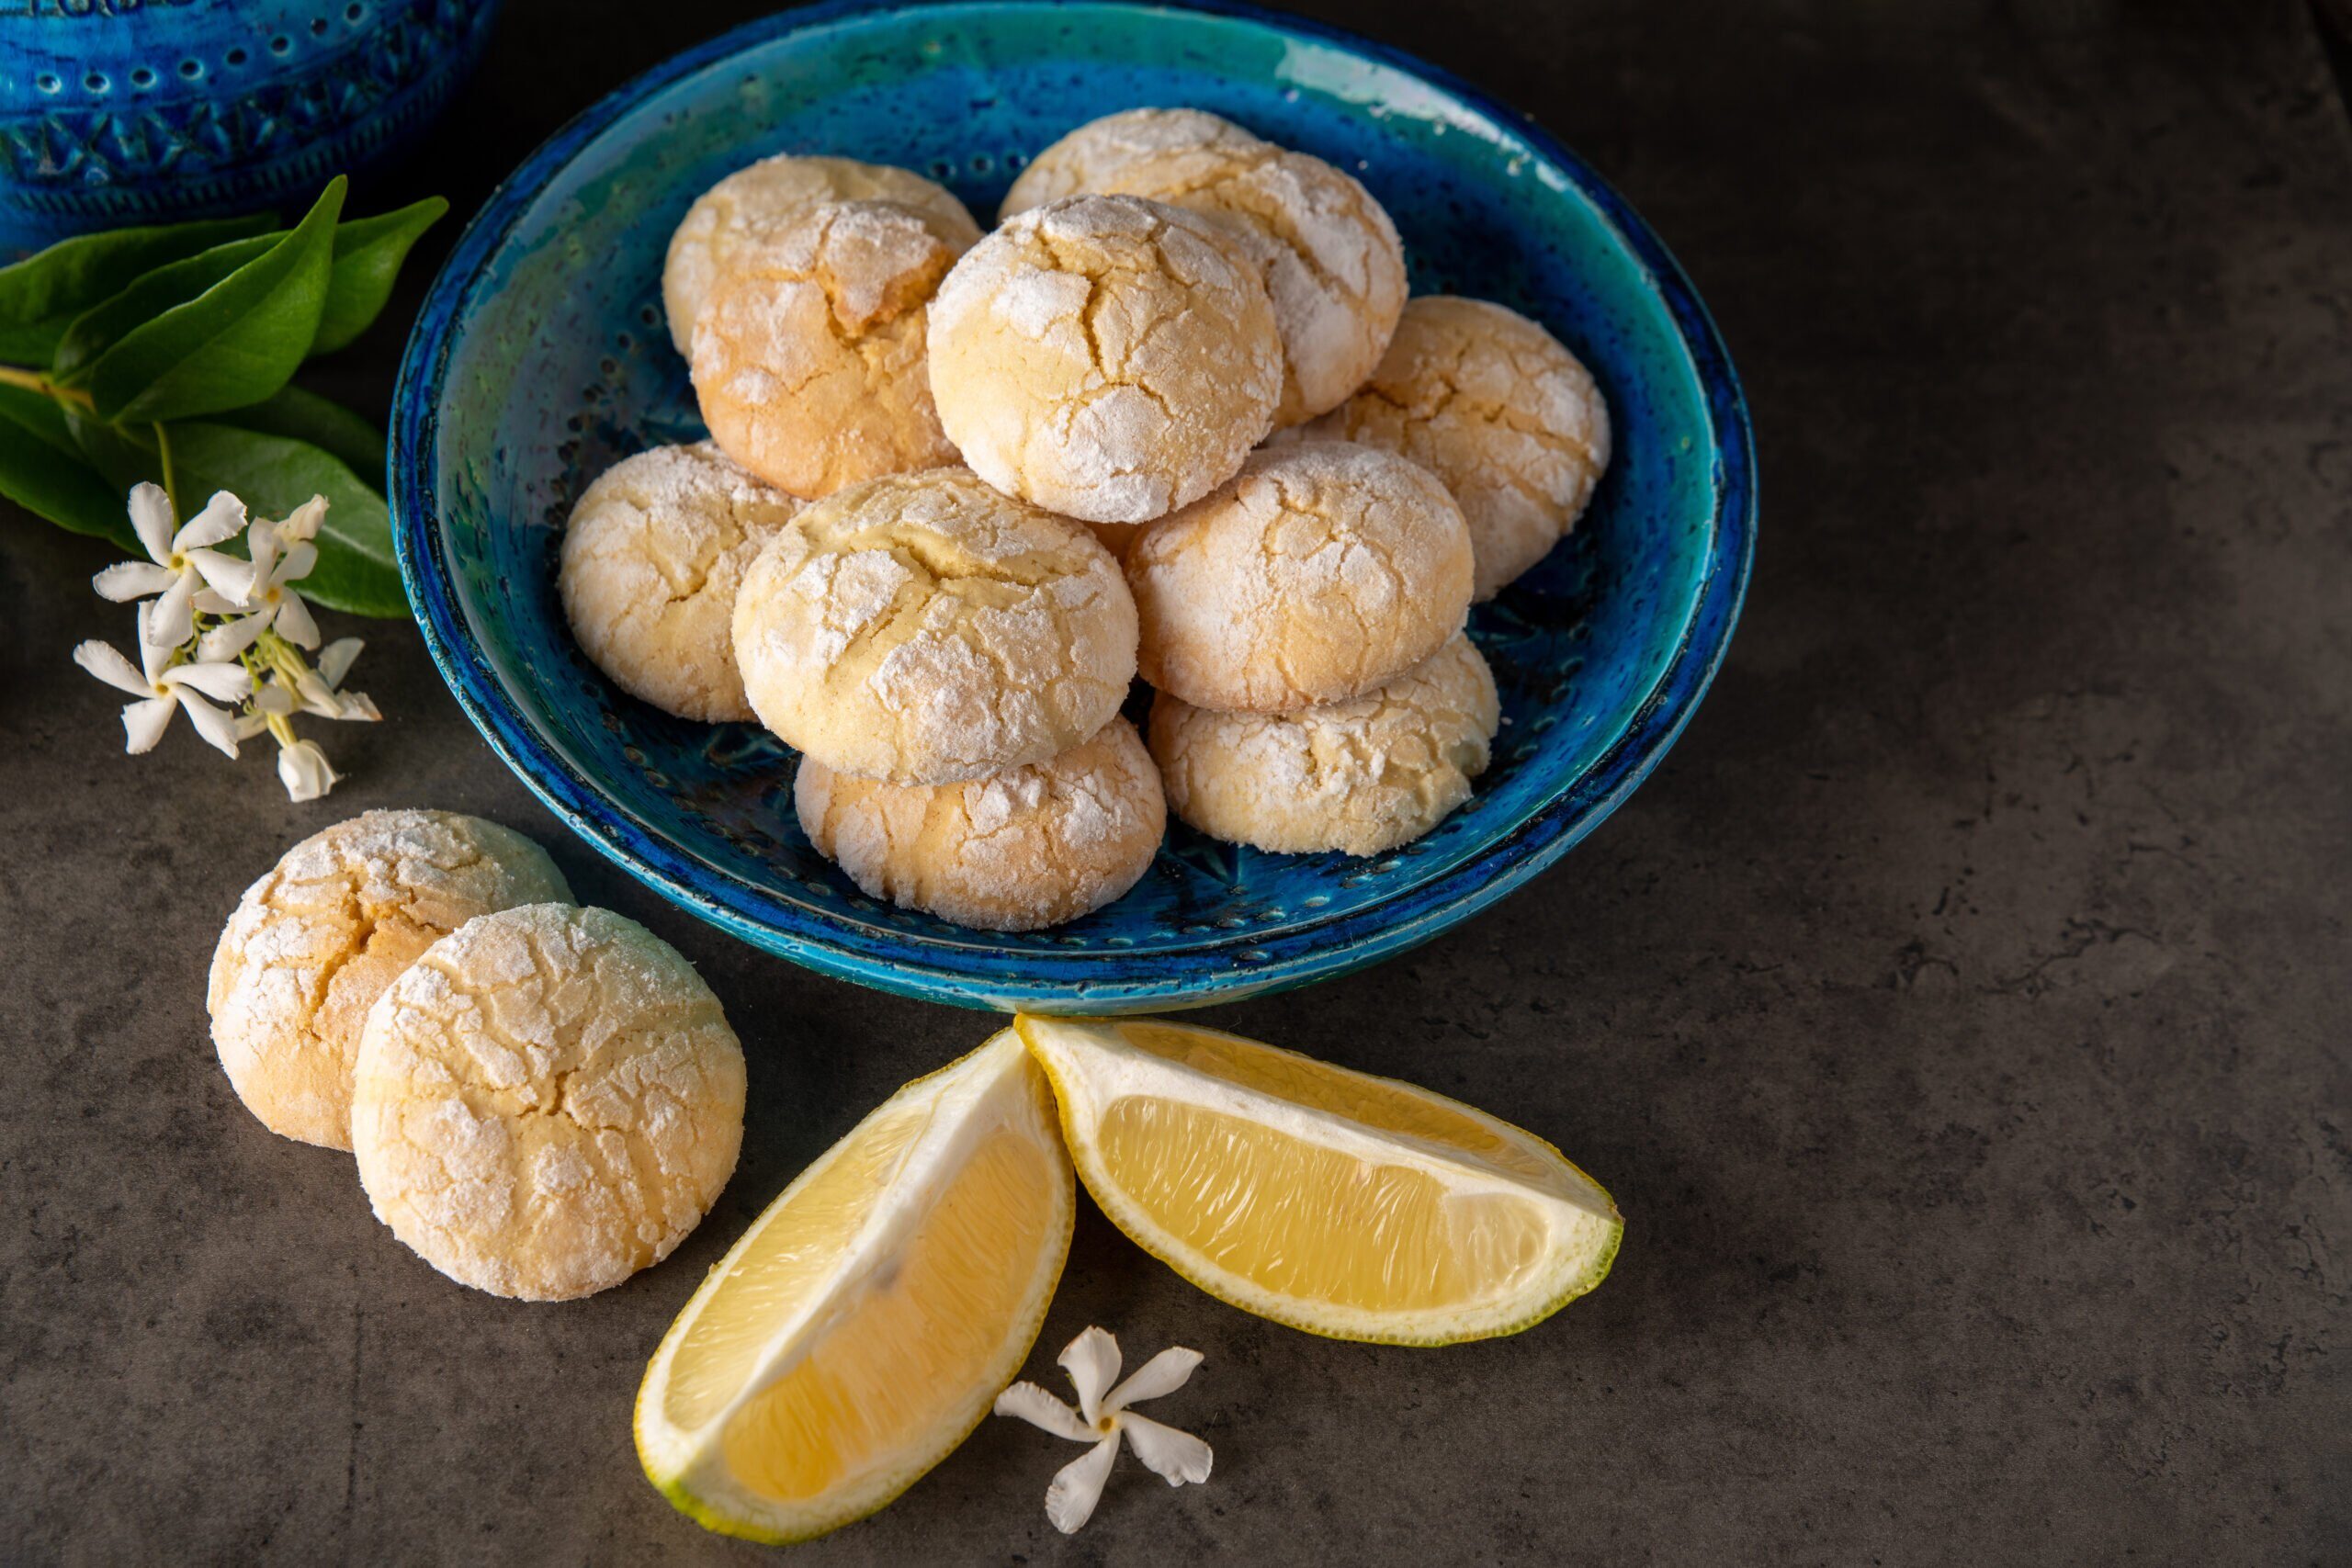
point(142, 111)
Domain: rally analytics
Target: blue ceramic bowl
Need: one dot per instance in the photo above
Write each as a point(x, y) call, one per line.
point(115, 111)
point(541, 358)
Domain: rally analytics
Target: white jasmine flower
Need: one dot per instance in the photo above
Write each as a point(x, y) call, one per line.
point(303, 769)
point(260, 592)
point(319, 691)
point(178, 565)
point(227, 639)
point(162, 687)
point(1092, 1361)
point(248, 652)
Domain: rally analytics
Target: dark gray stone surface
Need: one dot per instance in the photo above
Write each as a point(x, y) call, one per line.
point(1960, 1015)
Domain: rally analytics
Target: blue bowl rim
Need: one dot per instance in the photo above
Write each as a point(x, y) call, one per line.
point(973, 973)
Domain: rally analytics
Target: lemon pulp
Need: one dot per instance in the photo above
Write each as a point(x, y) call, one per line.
point(787, 1253)
point(1334, 1201)
point(1312, 1224)
point(863, 1325)
point(920, 1333)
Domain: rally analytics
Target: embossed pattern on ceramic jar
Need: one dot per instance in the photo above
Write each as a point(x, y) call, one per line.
point(115, 112)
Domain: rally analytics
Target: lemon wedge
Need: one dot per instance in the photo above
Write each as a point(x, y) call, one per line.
point(1332, 1200)
point(861, 1329)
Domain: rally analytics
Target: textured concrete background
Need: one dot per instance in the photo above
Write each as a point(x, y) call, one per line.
point(1960, 1015)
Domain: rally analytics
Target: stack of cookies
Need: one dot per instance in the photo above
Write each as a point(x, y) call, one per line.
point(1175, 415)
point(542, 1099)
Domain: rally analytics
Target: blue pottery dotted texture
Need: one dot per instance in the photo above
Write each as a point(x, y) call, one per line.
point(542, 357)
point(142, 111)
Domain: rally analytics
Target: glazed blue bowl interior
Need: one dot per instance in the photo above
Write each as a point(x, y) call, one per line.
point(542, 358)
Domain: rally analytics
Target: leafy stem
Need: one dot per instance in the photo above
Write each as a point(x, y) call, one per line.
point(35, 381)
point(164, 460)
point(272, 653)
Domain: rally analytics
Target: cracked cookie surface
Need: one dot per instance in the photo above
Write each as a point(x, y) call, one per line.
point(1105, 357)
point(764, 202)
point(1360, 777)
point(1014, 852)
point(1499, 409)
point(547, 1102)
point(653, 557)
point(317, 939)
point(1094, 153)
point(1321, 571)
point(1326, 251)
point(926, 628)
point(809, 356)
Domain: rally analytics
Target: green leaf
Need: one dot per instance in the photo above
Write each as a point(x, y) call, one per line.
point(368, 256)
point(306, 416)
point(150, 295)
point(120, 460)
point(147, 296)
point(275, 474)
point(40, 295)
point(43, 471)
point(234, 344)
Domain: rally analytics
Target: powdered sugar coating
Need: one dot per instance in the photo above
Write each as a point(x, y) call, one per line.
point(548, 1100)
point(1326, 251)
point(1105, 357)
point(926, 628)
point(1013, 851)
point(318, 939)
point(1499, 410)
point(1091, 155)
point(757, 205)
point(1360, 777)
point(808, 357)
point(1323, 569)
point(651, 561)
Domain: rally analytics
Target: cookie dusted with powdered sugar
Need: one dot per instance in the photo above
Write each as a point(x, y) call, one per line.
point(1093, 154)
point(314, 942)
point(1013, 851)
point(808, 357)
point(764, 202)
point(927, 628)
point(1104, 358)
point(1321, 571)
point(1326, 253)
point(547, 1102)
point(651, 561)
point(1360, 777)
point(1499, 410)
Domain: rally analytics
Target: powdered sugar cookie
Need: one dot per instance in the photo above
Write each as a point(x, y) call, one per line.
point(1104, 358)
point(1326, 251)
point(1499, 410)
point(1012, 851)
point(1091, 155)
point(926, 628)
point(757, 205)
point(808, 357)
point(314, 942)
point(652, 560)
point(1321, 570)
point(1360, 777)
point(547, 1102)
